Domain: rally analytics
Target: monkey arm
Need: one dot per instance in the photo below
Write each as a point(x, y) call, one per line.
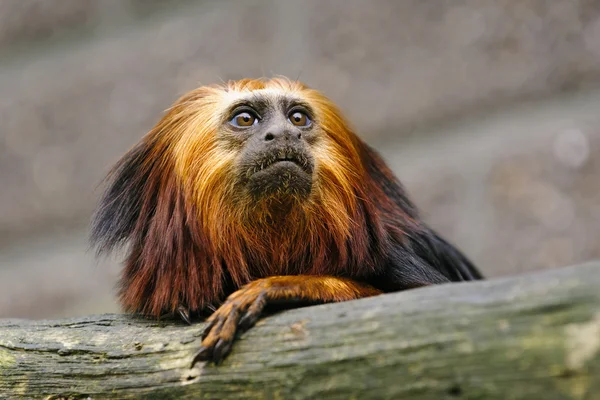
point(242, 308)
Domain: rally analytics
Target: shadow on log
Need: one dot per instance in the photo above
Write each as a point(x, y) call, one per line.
point(535, 336)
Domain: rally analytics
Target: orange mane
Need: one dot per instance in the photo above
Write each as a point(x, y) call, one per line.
point(192, 234)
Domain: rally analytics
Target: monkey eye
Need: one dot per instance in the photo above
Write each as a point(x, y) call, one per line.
point(299, 118)
point(243, 119)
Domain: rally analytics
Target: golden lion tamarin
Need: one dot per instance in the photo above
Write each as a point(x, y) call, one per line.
point(258, 192)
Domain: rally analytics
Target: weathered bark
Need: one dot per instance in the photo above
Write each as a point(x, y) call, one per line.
point(527, 337)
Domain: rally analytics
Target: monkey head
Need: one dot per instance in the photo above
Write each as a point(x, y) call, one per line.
point(264, 145)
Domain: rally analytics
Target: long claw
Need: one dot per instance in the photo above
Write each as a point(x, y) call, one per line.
point(204, 354)
point(184, 313)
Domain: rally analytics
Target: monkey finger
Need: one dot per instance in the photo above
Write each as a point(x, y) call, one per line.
point(211, 323)
point(221, 350)
point(211, 334)
point(228, 329)
point(253, 312)
point(222, 336)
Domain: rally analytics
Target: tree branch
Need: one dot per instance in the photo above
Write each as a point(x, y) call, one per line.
point(535, 336)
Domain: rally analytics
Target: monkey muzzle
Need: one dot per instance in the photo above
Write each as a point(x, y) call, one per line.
point(280, 171)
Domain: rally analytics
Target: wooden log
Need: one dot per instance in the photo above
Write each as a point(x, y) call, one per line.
point(535, 336)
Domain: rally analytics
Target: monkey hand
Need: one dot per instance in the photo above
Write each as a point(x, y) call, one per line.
point(240, 311)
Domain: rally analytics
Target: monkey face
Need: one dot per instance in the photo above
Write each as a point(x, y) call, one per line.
point(274, 134)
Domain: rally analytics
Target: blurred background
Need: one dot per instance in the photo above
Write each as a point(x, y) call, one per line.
point(487, 110)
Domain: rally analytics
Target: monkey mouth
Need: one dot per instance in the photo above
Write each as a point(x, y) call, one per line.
point(287, 159)
point(283, 158)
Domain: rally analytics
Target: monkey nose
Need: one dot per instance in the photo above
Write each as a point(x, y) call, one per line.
point(283, 134)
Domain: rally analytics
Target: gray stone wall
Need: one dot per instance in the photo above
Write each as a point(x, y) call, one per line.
point(486, 109)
